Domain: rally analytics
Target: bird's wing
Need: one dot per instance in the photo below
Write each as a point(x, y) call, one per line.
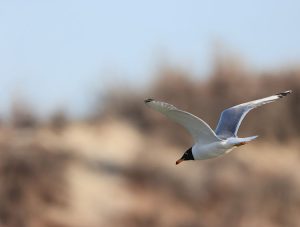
point(231, 118)
point(200, 131)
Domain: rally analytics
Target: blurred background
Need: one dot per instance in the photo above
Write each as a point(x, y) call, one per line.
point(78, 147)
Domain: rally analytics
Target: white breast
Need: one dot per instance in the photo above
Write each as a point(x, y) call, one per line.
point(211, 150)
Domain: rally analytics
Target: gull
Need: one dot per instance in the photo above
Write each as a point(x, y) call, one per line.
point(209, 143)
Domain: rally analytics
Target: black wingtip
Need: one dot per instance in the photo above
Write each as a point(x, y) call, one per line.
point(285, 93)
point(148, 100)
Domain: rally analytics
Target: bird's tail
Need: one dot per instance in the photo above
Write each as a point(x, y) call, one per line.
point(241, 141)
point(248, 139)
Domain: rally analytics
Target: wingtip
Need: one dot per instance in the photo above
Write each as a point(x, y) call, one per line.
point(148, 100)
point(285, 93)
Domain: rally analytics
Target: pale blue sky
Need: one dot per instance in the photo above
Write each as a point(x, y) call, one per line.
point(58, 53)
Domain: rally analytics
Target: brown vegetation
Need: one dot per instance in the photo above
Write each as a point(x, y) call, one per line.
point(117, 169)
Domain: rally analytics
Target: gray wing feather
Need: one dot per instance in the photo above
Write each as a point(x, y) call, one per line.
point(231, 118)
point(200, 130)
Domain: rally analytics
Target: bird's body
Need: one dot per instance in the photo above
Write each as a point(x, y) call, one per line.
point(211, 150)
point(215, 149)
point(209, 143)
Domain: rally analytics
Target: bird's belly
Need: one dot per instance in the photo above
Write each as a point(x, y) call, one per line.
point(210, 151)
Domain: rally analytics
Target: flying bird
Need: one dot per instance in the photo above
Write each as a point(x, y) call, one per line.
point(209, 143)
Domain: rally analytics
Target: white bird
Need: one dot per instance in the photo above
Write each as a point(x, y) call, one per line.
point(209, 143)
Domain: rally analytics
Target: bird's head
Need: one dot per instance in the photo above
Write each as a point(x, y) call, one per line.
point(188, 155)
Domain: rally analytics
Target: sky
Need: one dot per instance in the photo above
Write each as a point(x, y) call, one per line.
point(61, 52)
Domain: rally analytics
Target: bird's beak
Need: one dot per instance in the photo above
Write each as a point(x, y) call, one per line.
point(179, 160)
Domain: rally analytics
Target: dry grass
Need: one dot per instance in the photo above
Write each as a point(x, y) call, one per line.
point(96, 176)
